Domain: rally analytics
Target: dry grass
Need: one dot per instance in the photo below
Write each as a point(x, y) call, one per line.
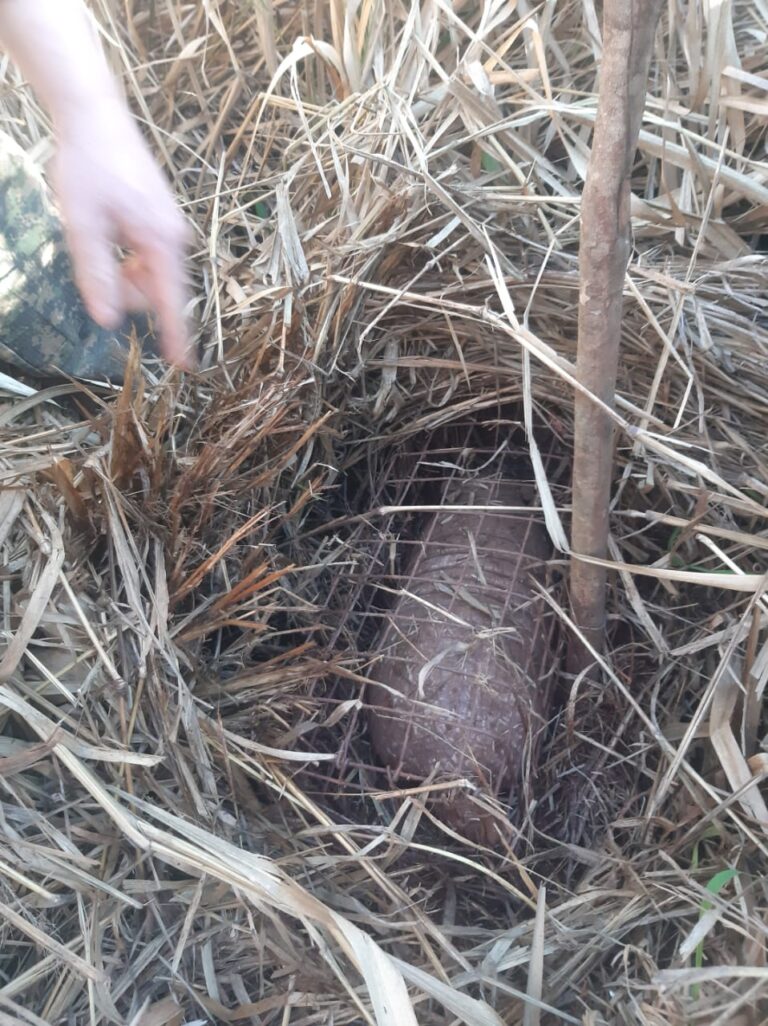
point(386, 202)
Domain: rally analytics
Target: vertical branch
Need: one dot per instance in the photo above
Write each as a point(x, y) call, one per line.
point(628, 31)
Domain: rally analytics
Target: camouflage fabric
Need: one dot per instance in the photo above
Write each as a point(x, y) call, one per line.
point(45, 329)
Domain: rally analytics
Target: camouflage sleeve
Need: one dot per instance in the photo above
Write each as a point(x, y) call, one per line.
point(45, 329)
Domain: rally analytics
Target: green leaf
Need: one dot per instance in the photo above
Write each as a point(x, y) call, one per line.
point(679, 564)
point(489, 163)
point(714, 886)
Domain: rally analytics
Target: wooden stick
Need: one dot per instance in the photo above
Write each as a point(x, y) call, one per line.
point(628, 31)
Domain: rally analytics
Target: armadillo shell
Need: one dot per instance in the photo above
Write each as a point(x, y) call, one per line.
point(462, 684)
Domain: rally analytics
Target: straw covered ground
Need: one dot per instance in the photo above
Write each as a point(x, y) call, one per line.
point(385, 197)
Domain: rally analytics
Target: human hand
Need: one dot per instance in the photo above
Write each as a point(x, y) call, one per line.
point(110, 190)
point(111, 193)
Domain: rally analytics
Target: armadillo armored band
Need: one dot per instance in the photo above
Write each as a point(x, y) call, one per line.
point(45, 329)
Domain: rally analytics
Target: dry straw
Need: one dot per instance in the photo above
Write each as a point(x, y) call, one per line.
point(386, 198)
